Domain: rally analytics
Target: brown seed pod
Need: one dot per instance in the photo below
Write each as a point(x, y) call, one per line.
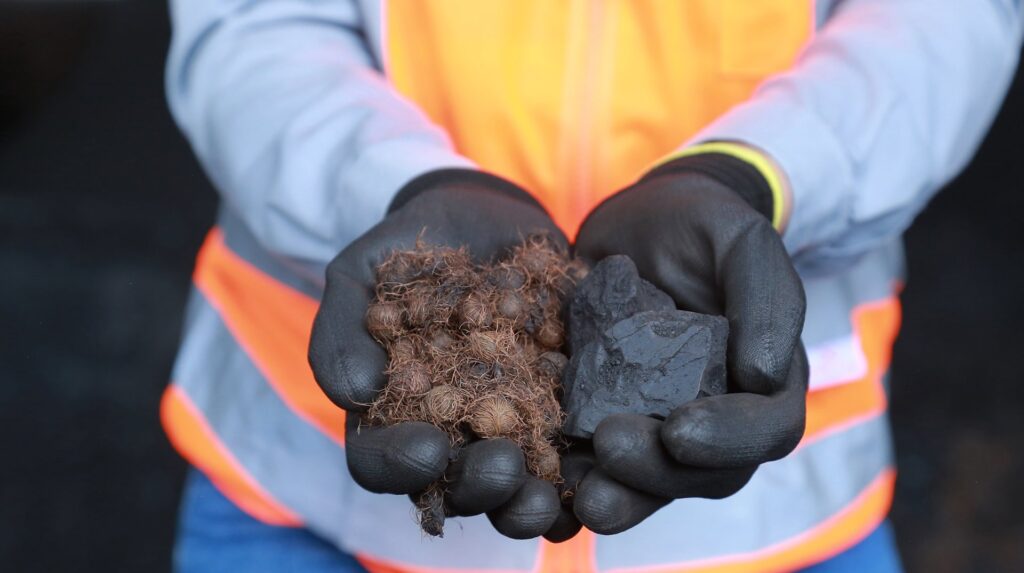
point(440, 339)
point(550, 334)
point(552, 364)
point(403, 349)
point(418, 311)
point(511, 306)
point(493, 417)
point(506, 276)
point(527, 350)
point(475, 312)
point(547, 301)
point(489, 345)
point(546, 464)
point(384, 320)
point(443, 405)
point(475, 369)
point(411, 378)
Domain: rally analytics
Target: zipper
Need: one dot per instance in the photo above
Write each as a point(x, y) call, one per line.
point(586, 142)
point(581, 105)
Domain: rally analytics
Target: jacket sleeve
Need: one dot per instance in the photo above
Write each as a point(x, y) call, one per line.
point(887, 103)
point(286, 109)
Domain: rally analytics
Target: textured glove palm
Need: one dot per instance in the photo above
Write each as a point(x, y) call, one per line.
point(691, 229)
point(454, 207)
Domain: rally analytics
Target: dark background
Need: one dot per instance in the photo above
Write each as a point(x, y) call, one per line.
point(102, 208)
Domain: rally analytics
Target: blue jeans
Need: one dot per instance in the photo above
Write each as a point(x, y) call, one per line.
point(214, 535)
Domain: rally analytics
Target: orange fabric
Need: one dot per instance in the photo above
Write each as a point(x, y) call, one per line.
point(573, 556)
point(272, 322)
point(574, 100)
point(192, 437)
point(830, 409)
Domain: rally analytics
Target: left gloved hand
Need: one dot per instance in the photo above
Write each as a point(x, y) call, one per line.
point(699, 228)
point(450, 207)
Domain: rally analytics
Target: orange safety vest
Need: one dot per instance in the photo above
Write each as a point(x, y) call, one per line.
point(576, 102)
point(572, 100)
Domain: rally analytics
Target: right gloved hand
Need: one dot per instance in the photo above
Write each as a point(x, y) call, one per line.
point(449, 207)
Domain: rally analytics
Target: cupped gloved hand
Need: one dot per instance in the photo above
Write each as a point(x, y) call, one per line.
point(456, 208)
point(700, 228)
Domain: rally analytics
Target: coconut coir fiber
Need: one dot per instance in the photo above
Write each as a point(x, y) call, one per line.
point(475, 349)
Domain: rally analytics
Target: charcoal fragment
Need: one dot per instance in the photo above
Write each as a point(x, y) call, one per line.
point(634, 352)
point(610, 292)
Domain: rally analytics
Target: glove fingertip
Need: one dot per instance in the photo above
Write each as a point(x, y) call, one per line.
point(566, 527)
point(486, 475)
point(530, 513)
point(350, 377)
point(607, 507)
point(419, 447)
point(399, 459)
point(620, 434)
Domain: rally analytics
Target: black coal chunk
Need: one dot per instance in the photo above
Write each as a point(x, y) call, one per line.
point(612, 291)
point(627, 358)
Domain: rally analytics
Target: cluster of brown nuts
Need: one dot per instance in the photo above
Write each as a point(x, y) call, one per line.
point(475, 349)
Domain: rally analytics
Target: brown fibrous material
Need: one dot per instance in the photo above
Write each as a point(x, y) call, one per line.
point(551, 333)
point(474, 349)
point(511, 305)
point(384, 320)
point(493, 417)
point(444, 405)
point(475, 311)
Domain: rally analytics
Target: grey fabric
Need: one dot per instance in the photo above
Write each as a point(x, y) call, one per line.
point(783, 500)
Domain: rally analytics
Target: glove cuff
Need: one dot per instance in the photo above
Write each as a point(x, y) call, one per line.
point(742, 169)
point(459, 177)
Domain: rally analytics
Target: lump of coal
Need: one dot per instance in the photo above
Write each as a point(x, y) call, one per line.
point(612, 291)
point(628, 358)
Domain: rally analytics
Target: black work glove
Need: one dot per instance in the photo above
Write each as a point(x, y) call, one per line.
point(450, 207)
point(698, 227)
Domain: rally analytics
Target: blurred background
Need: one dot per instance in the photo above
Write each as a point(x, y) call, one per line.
point(102, 208)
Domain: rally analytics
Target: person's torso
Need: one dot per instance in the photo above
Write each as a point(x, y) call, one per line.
point(573, 100)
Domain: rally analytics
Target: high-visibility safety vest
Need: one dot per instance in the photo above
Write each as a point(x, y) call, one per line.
point(572, 100)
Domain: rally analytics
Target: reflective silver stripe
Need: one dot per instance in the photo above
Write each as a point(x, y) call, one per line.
point(387, 530)
point(783, 500)
point(835, 352)
point(295, 463)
